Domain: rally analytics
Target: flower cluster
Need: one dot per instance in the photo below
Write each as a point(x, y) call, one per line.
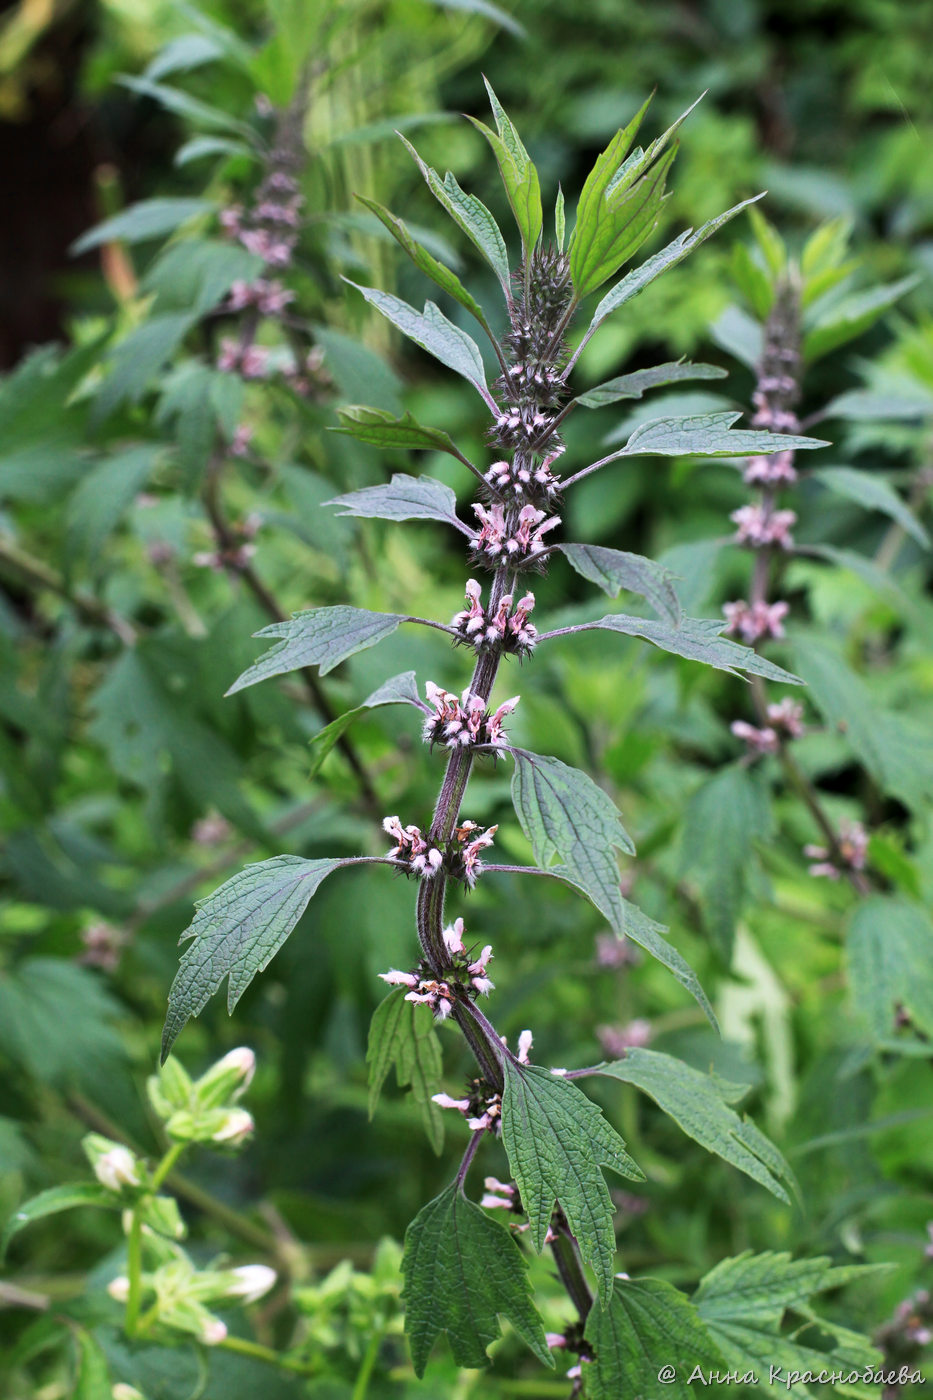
point(507, 629)
point(776, 470)
point(615, 1040)
point(464, 722)
point(268, 229)
point(753, 621)
point(412, 849)
point(523, 478)
point(851, 851)
point(465, 857)
point(503, 535)
point(465, 974)
point(760, 526)
point(785, 719)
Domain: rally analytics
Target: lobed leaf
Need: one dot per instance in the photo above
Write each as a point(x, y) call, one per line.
point(564, 814)
point(381, 429)
point(468, 213)
point(55, 1200)
point(633, 386)
point(648, 1329)
point(402, 1034)
point(427, 263)
point(431, 330)
point(700, 1104)
point(323, 637)
point(403, 498)
point(889, 950)
point(615, 569)
point(557, 1141)
point(238, 930)
point(697, 639)
point(398, 690)
point(461, 1271)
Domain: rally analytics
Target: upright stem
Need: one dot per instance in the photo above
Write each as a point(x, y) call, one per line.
point(567, 1259)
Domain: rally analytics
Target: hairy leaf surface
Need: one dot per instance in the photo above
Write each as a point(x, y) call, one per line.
point(402, 1034)
point(322, 638)
point(708, 435)
point(615, 569)
point(648, 1326)
point(519, 175)
point(403, 498)
point(431, 330)
point(382, 429)
point(462, 1270)
point(700, 1105)
point(696, 638)
point(633, 386)
point(557, 1141)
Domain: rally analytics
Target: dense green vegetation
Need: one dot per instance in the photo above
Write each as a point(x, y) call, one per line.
point(170, 438)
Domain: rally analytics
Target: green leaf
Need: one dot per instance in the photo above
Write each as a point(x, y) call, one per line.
point(151, 218)
point(633, 386)
point(844, 320)
point(182, 54)
point(103, 495)
point(700, 1105)
point(557, 1140)
point(403, 498)
point(636, 925)
point(897, 751)
point(197, 401)
point(200, 146)
point(381, 429)
point(560, 223)
point(488, 11)
point(889, 950)
point(615, 569)
point(403, 1035)
point(696, 638)
point(564, 814)
point(195, 274)
point(398, 690)
point(92, 1377)
point(742, 1302)
point(874, 493)
point(237, 931)
point(182, 104)
point(433, 332)
point(770, 242)
point(461, 1270)
point(519, 175)
point(470, 214)
point(323, 637)
point(865, 405)
point(56, 1018)
point(447, 280)
point(641, 277)
point(753, 281)
point(724, 819)
point(739, 334)
point(648, 1327)
point(708, 435)
point(55, 1200)
point(135, 361)
point(359, 373)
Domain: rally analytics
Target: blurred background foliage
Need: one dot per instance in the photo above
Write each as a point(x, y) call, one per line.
point(137, 555)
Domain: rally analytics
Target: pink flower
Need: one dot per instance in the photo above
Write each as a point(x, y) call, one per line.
point(453, 937)
point(759, 741)
point(399, 979)
point(445, 1101)
point(525, 1040)
point(759, 525)
point(852, 843)
point(752, 621)
point(788, 715)
point(776, 470)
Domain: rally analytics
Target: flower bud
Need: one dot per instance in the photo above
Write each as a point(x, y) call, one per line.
point(170, 1089)
point(213, 1332)
point(122, 1391)
point(114, 1165)
point(225, 1081)
point(237, 1126)
point(119, 1288)
point(250, 1281)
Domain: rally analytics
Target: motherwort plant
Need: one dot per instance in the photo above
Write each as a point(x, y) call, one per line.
point(461, 1267)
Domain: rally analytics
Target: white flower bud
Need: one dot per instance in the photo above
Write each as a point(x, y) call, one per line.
point(213, 1332)
point(119, 1288)
point(122, 1391)
point(251, 1281)
point(117, 1168)
point(236, 1127)
point(227, 1079)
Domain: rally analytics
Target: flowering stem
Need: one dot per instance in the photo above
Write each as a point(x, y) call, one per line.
point(257, 1352)
point(166, 1164)
point(567, 1259)
point(134, 1272)
point(468, 1156)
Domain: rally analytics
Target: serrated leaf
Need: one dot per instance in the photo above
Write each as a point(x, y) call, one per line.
point(402, 498)
point(55, 1200)
point(427, 263)
point(623, 225)
point(723, 820)
point(696, 638)
point(150, 218)
point(564, 814)
point(557, 1142)
point(468, 213)
point(770, 242)
point(742, 1302)
point(519, 175)
point(648, 1327)
point(237, 931)
point(461, 1271)
point(323, 637)
point(708, 435)
point(874, 493)
point(701, 1105)
point(753, 281)
point(633, 386)
point(403, 1035)
point(615, 569)
point(636, 926)
point(381, 429)
point(641, 277)
point(398, 690)
point(889, 950)
point(56, 1018)
point(431, 330)
point(844, 320)
point(135, 361)
point(897, 751)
